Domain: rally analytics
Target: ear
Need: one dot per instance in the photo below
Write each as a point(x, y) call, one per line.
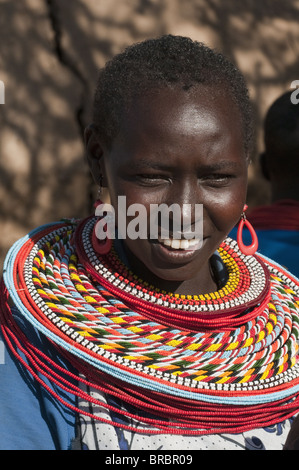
point(94, 153)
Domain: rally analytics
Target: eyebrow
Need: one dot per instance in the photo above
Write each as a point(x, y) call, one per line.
point(158, 165)
point(222, 165)
point(143, 163)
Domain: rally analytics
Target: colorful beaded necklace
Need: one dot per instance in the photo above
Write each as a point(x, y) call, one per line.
point(226, 361)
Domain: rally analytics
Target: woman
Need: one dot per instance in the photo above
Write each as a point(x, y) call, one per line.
point(154, 342)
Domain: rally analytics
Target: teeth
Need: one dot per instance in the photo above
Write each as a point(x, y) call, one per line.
point(176, 244)
point(180, 244)
point(184, 244)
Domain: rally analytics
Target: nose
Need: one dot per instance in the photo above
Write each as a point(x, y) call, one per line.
point(186, 194)
point(187, 221)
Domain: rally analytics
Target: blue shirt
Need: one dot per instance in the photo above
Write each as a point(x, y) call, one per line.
point(281, 246)
point(30, 418)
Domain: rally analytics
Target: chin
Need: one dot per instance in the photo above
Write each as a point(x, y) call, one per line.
point(153, 262)
point(175, 274)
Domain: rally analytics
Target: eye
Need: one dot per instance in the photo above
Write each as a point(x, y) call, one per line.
point(151, 179)
point(217, 179)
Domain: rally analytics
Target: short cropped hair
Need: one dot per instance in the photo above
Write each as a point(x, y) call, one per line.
point(168, 61)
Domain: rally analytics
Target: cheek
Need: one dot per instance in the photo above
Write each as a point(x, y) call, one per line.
point(224, 210)
point(132, 216)
point(133, 203)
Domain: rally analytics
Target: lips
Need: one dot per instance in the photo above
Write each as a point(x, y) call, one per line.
point(185, 245)
point(166, 255)
point(176, 251)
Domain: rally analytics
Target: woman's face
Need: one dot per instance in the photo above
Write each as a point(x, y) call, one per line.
point(176, 147)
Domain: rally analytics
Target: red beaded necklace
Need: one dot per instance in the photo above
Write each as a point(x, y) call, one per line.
point(207, 378)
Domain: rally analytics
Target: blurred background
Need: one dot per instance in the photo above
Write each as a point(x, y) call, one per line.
point(50, 53)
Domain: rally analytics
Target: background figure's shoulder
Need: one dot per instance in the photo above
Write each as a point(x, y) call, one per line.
point(278, 245)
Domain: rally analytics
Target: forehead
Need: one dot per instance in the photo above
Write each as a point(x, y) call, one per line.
point(182, 128)
point(202, 111)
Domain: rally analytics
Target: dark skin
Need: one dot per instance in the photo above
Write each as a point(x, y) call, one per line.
point(184, 148)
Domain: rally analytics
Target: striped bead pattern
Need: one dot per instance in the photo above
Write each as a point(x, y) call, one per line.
point(259, 354)
point(246, 279)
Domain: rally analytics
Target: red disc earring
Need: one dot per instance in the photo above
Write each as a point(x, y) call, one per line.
point(246, 249)
point(102, 247)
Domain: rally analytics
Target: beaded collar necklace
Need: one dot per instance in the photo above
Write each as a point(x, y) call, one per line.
point(225, 361)
point(247, 286)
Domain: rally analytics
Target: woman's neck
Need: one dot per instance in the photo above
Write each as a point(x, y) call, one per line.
point(204, 282)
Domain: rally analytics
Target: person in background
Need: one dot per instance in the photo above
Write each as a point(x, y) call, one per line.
point(277, 223)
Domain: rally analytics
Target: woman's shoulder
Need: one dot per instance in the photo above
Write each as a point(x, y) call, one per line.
point(28, 412)
point(281, 277)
